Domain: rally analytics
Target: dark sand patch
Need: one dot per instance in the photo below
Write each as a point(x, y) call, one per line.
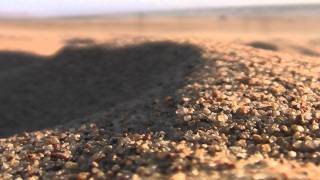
point(10, 60)
point(80, 81)
point(264, 45)
point(306, 51)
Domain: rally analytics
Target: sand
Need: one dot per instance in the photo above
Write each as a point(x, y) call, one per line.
point(133, 104)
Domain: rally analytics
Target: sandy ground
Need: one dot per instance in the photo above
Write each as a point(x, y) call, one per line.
point(46, 37)
point(160, 98)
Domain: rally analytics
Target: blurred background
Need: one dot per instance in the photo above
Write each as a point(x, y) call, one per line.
point(43, 27)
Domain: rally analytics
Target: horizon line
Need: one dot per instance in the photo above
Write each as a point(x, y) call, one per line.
point(25, 15)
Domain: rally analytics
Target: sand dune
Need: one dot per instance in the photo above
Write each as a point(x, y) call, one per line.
point(163, 109)
point(202, 97)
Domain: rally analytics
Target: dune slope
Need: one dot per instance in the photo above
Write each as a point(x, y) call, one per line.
point(165, 110)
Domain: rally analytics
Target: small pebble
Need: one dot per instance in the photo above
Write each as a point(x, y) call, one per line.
point(297, 128)
point(292, 154)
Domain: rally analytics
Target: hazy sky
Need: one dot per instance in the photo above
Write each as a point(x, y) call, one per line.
point(72, 7)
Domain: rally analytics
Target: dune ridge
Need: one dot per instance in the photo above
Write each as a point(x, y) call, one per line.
point(167, 109)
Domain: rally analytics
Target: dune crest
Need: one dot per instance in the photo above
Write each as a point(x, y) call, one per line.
point(165, 109)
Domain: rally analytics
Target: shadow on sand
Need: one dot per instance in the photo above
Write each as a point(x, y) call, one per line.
point(10, 60)
point(79, 81)
point(264, 45)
